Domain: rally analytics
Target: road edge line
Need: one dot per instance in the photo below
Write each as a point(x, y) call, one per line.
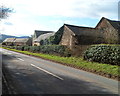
point(47, 72)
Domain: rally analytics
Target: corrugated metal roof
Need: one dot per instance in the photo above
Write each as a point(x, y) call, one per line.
point(21, 39)
point(38, 33)
point(44, 36)
point(9, 39)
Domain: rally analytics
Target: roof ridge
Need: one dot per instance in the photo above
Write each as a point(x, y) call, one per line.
point(78, 26)
point(110, 19)
point(113, 20)
point(42, 31)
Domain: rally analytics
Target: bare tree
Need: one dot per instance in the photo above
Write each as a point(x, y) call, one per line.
point(4, 12)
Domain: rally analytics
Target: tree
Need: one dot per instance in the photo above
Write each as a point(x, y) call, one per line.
point(4, 11)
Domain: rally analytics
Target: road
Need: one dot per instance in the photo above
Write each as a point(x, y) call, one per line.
point(0, 74)
point(31, 75)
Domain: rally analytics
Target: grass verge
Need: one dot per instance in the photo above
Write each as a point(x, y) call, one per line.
point(110, 71)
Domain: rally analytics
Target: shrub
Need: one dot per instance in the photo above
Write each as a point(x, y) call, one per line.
point(48, 49)
point(26, 48)
point(55, 49)
point(3, 43)
point(53, 40)
point(34, 49)
point(11, 47)
point(109, 54)
point(20, 48)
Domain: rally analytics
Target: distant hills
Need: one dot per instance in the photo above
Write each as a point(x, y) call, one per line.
point(3, 37)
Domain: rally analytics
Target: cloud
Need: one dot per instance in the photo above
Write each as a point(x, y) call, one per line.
point(8, 23)
point(19, 28)
point(68, 8)
point(29, 13)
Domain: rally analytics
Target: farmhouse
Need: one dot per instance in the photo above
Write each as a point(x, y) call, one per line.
point(40, 35)
point(109, 30)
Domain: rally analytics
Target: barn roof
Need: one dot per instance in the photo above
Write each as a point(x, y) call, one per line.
point(115, 24)
point(44, 36)
point(78, 29)
point(37, 33)
point(9, 39)
point(21, 39)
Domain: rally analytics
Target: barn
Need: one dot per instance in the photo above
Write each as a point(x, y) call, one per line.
point(78, 35)
point(22, 42)
point(109, 30)
point(17, 41)
point(8, 41)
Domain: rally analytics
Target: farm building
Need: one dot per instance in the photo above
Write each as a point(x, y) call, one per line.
point(23, 41)
point(17, 41)
point(9, 41)
point(77, 35)
point(109, 30)
point(78, 38)
point(42, 38)
point(40, 35)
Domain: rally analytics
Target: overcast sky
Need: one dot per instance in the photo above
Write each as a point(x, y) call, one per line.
point(50, 15)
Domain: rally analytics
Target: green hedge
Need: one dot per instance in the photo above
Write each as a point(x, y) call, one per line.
point(48, 49)
point(109, 54)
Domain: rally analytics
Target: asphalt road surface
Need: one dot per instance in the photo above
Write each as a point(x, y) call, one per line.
point(31, 75)
point(0, 74)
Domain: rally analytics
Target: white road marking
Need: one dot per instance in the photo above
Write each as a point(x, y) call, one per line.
point(20, 59)
point(47, 72)
point(19, 54)
point(9, 53)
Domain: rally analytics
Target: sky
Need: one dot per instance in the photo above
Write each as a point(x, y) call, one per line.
point(50, 15)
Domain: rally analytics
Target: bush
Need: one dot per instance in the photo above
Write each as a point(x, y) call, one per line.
point(3, 43)
point(19, 48)
point(48, 49)
point(109, 54)
point(26, 48)
point(34, 49)
point(55, 49)
point(11, 47)
point(53, 40)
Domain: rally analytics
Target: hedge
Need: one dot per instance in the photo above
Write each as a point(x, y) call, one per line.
point(109, 54)
point(59, 50)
